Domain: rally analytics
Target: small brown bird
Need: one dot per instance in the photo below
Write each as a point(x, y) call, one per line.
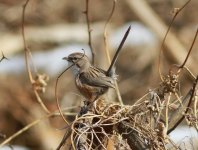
point(92, 82)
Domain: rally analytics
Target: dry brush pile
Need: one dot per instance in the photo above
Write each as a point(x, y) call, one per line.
point(144, 125)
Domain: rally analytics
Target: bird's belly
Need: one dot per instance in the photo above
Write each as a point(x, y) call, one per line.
point(91, 93)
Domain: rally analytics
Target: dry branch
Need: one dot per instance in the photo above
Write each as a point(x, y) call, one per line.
point(3, 57)
point(131, 123)
point(89, 30)
point(39, 82)
point(178, 10)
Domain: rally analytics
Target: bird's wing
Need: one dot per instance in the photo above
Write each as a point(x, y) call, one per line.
point(96, 77)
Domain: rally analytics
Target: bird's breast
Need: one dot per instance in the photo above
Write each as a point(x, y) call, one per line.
point(89, 92)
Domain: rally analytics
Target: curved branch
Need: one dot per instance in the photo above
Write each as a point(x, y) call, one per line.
point(27, 51)
point(170, 25)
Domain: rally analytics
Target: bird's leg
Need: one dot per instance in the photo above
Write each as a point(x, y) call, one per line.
point(87, 106)
point(84, 109)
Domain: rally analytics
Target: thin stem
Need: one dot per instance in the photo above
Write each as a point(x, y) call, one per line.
point(27, 62)
point(162, 45)
point(56, 95)
point(167, 110)
point(189, 50)
point(89, 31)
point(24, 43)
point(105, 32)
point(56, 87)
point(3, 57)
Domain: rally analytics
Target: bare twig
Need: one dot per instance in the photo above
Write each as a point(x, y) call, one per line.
point(162, 45)
point(24, 43)
point(105, 32)
point(167, 110)
point(40, 101)
point(56, 95)
point(27, 51)
point(189, 50)
point(89, 31)
point(185, 68)
point(3, 57)
point(56, 87)
point(195, 108)
point(101, 144)
point(182, 66)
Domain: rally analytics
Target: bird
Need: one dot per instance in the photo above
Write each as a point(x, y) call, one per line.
point(91, 81)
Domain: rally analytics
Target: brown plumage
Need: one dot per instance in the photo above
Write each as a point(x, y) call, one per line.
point(92, 82)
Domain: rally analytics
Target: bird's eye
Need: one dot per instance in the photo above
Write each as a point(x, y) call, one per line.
point(74, 58)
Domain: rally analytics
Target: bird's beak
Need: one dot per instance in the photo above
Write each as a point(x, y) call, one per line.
point(65, 58)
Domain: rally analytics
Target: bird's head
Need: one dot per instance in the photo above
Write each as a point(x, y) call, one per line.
point(80, 60)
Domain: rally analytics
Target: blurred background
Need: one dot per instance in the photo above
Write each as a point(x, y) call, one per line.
point(54, 29)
